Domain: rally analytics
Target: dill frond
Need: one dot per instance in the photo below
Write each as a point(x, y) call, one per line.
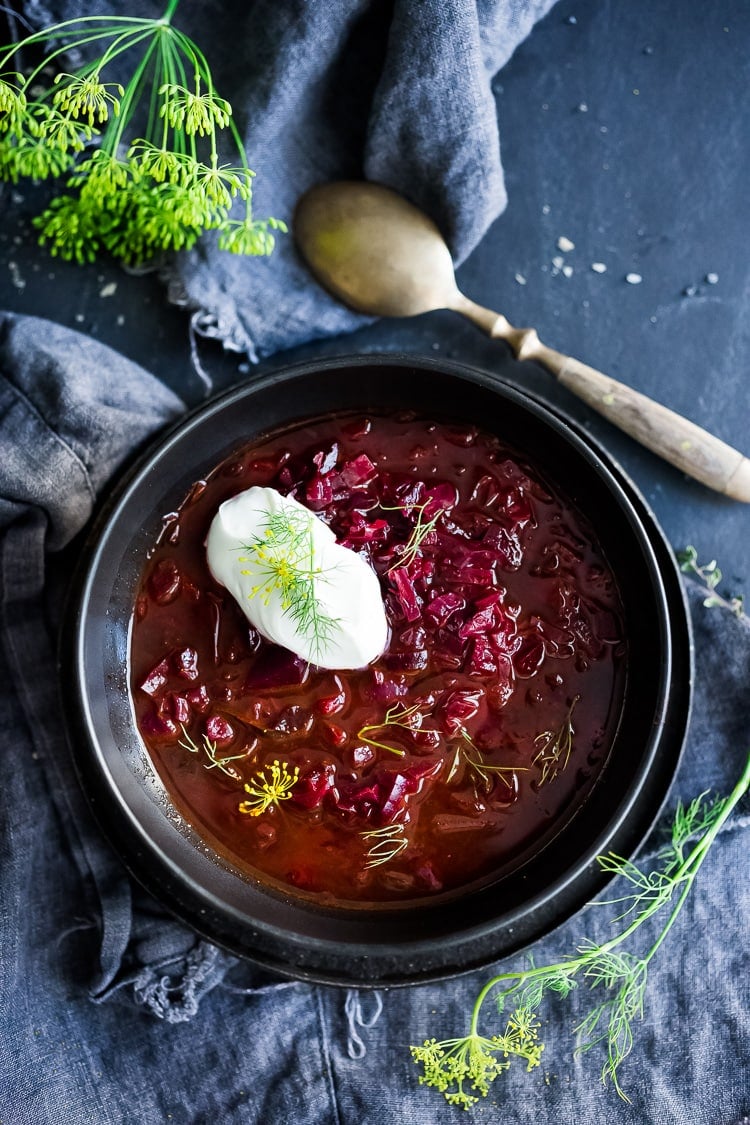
point(453, 1064)
point(283, 559)
point(555, 747)
point(389, 842)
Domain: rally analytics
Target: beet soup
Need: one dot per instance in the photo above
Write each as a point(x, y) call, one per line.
point(483, 722)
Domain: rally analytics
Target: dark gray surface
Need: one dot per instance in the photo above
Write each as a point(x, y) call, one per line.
point(651, 177)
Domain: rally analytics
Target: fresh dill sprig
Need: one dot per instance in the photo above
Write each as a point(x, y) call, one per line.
point(134, 195)
point(283, 560)
point(396, 716)
point(210, 749)
point(555, 747)
point(390, 841)
point(710, 576)
point(468, 753)
point(462, 1069)
point(419, 532)
point(267, 791)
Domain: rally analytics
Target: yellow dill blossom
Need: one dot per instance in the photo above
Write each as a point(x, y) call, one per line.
point(266, 791)
point(137, 196)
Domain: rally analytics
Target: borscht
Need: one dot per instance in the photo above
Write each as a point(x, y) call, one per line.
point(476, 730)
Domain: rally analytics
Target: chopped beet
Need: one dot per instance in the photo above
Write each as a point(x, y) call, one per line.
point(198, 698)
point(459, 707)
point(156, 679)
point(318, 492)
point(313, 785)
point(482, 660)
point(361, 530)
point(505, 544)
point(360, 470)
point(326, 460)
point(219, 730)
point(276, 667)
point(336, 735)
point(157, 726)
point(164, 581)
point(185, 663)
point(441, 606)
point(396, 786)
point(290, 722)
point(410, 661)
point(175, 707)
point(439, 498)
point(529, 656)
point(501, 689)
point(406, 594)
point(332, 704)
point(385, 689)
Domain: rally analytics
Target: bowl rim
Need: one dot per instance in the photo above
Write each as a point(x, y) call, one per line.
point(349, 963)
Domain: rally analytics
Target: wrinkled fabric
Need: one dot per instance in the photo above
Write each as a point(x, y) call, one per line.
point(387, 90)
point(112, 1011)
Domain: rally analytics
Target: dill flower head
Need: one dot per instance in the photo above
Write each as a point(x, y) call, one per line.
point(138, 196)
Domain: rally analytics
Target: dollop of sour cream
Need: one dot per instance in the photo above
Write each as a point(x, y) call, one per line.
point(296, 585)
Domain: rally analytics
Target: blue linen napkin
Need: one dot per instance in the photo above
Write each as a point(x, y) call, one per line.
point(231, 1043)
point(394, 91)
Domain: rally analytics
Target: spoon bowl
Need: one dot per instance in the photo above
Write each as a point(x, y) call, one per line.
point(380, 255)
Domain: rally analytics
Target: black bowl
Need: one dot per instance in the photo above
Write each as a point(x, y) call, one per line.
point(374, 946)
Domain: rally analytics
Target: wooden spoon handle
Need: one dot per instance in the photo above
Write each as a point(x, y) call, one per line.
point(692, 449)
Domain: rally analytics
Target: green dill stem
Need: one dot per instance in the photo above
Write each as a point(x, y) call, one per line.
point(130, 95)
point(28, 82)
point(686, 873)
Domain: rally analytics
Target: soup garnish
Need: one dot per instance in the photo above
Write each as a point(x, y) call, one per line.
point(485, 706)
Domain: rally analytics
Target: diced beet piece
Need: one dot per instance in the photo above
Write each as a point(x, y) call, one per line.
point(506, 546)
point(480, 624)
point(482, 660)
point(156, 679)
point(426, 740)
point(406, 594)
point(290, 722)
point(486, 491)
point(185, 663)
point(517, 509)
point(439, 498)
point(396, 786)
point(175, 707)
point(276, 667)
point(313, 785)
point(458, 707)
point(460, 435)
point(441, 606)
point(529, 656)
point(384, 689)
point(360, 470)
point(362, 756)
point(410, 661)
point(501, 688)
point(219, 730)
point(332, 704)
point(199, 698)
point(559, 642)
point(414, 637)
point(335, 734)
point(164, 582)
point(154, 725)
point(318, 492)
point(325, 460)
point(362, 531)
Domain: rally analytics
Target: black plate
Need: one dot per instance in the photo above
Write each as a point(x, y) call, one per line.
point(384, 945)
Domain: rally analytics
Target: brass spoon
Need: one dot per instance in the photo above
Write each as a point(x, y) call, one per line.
point(380, 255)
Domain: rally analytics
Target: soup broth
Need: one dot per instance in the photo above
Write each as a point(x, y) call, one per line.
point(484, 721)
